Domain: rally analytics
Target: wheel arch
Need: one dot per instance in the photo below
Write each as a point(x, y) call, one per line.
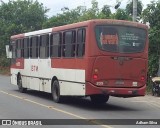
point(18, 76)
point(53, 79)
point(55, 90)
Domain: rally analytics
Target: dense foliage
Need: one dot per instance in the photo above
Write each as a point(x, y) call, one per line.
point(27, 15)
point(152, 15)
point(19, 17)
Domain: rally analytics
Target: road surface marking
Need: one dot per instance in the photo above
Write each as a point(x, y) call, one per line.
point(139, 101)
point(155, 104)
point(56, 109)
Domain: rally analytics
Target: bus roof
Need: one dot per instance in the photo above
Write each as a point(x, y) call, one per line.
point(80, 24)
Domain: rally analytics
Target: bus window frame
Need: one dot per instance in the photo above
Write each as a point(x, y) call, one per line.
point(47, 46)
point(18, 48)
point(35, 47)
point(26, 48)
point(82, 28)
point(52, 44)
point(73, 42)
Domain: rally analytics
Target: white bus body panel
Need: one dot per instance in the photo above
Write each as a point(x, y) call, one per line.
point(39, 32)
point(72, 89)
point(37, 75)
point(71, 81)
point(14, 73)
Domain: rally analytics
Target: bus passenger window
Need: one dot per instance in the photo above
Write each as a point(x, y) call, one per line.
point(44, 46)
point(69, 44)
point(13, 43)
point(34, 47)
point(73, 51)
point(55, 48)
point(19, 48)
point(81, 35)
point(22, 48)
point(26, 47)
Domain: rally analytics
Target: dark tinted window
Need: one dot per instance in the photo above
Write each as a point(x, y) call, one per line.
point(44, 46)
point(55, 48)
point(26, 47)
point(19, 48)
point(123, 39)
point(34, 47)
point(81, 36)
point(69, 42)
point(13, 45)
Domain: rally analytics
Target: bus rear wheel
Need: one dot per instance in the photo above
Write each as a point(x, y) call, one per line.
point(20, 87)
point(99, 98)
point(56, 92)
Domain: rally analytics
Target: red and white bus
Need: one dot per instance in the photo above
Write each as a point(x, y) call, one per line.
point(96, 58)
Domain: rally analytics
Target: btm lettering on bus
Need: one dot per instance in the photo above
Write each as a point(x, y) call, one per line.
point(34, 68)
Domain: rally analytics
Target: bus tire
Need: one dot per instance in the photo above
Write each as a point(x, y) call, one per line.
point(56, 92)
point(99, 98)
point(20, 87)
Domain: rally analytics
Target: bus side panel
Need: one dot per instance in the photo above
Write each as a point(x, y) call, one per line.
point(72, 89)
point(16, 66)
point(31, 71)
point(37, 71)
point(34, 83)
point(45, 85)
point(44, 69)
point(14, 73)
point(26, 81)
point(71, 81)
point(70, 74)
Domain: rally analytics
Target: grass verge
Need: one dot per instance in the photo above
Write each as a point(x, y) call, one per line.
point(4, 70)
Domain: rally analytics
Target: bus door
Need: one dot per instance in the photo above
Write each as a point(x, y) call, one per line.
point(44, 64)
point(33, 63)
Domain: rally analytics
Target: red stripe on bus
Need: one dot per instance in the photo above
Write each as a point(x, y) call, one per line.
point(68, 63)
point(19, 64)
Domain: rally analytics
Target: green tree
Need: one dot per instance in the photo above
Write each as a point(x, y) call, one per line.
point(152, 15)
point(19, 17)
point(105, 13)
point(121, 15)
point(67, 17)
point(28, 13)
point(91, 13)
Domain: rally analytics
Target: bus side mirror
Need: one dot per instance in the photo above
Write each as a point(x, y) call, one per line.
point(9, 51)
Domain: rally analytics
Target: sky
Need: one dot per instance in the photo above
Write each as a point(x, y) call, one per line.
point(56, 5)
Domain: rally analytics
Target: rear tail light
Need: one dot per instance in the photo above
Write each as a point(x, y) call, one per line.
point(142, 78)
point(95, 76)
point(143, 75)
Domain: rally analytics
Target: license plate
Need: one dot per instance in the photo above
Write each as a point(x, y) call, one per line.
point(120, 82)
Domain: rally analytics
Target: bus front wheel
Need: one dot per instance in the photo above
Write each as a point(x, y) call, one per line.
point(20, 87)
point(99, 98)
point(56, 92)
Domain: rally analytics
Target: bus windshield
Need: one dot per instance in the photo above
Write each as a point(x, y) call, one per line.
point(122, 39)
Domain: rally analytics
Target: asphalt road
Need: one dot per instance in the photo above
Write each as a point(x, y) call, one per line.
point(38, 105)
